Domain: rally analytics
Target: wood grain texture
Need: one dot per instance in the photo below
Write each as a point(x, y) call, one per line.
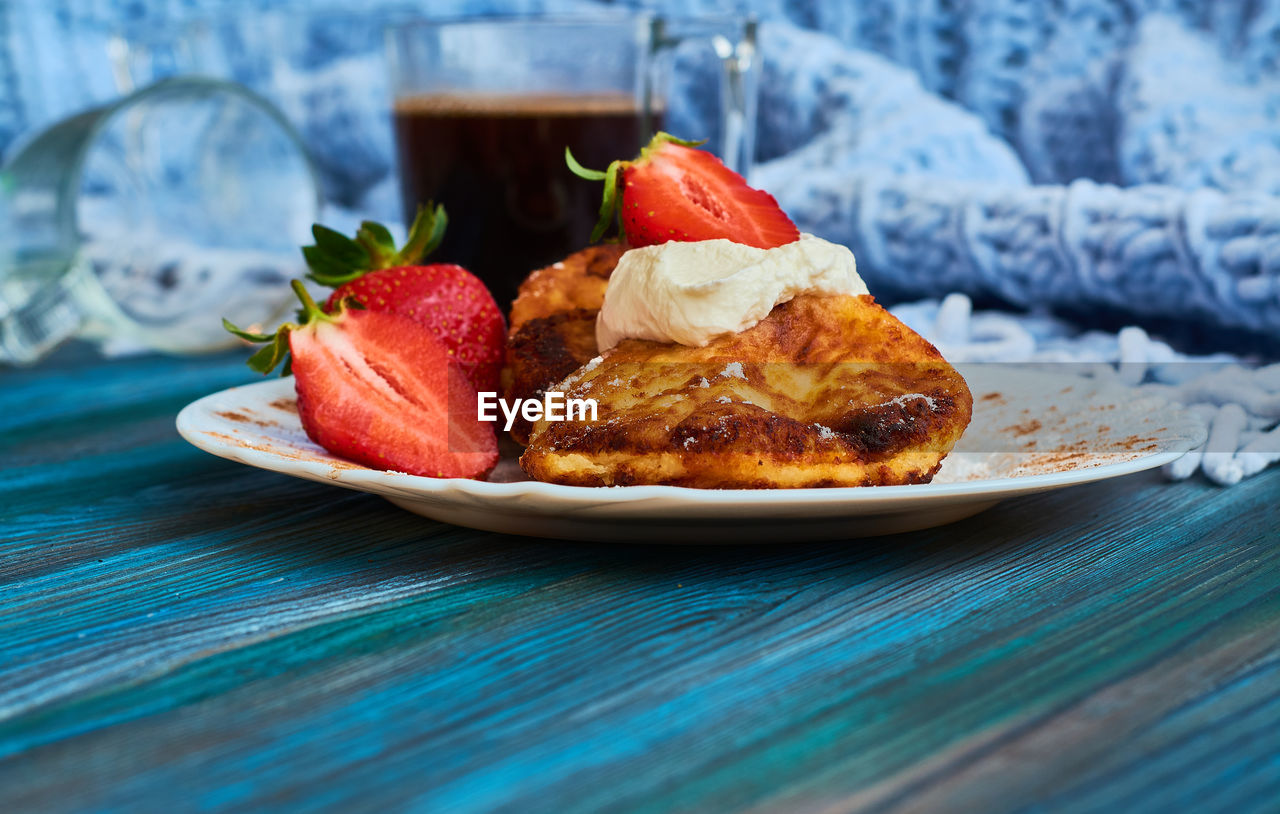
point(178, 632)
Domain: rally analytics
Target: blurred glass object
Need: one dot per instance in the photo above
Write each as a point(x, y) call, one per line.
point(485, 108)
point(144, 221)
point(327, 74)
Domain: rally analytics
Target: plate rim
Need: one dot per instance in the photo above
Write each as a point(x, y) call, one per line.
point(354, 476)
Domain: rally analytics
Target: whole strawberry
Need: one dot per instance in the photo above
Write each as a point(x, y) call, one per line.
point(379, 389)
point(448, 300)
point(674, 191)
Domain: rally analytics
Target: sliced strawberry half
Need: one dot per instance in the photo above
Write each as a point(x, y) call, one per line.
point(674, 191)
point(378, 389)
point(447, 299)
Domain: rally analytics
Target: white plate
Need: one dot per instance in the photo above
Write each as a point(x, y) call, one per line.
point(1032, 431)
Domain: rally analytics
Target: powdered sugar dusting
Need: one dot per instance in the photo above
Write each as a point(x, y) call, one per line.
point(733, 369)
point(902, 400)
point(576, 376)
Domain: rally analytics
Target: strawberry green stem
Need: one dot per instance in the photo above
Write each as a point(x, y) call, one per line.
point(276, 349)
point(310, 312)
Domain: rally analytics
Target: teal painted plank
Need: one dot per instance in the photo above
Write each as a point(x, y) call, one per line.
point(450, 688)
point(193, 632)
point(34, 399)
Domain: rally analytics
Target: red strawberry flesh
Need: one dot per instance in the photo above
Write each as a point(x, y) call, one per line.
point(453, 304)
point(681, 193)
point(378, 389)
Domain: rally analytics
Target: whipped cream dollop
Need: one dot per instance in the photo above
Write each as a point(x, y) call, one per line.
point(693, 292)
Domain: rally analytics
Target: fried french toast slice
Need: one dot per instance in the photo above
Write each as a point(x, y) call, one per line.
point(825, 391)
point(553, 324)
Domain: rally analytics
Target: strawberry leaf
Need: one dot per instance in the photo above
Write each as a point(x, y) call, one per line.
point(270, 354)
point(374, 238)
point(328, 270)
point(339, 247)
point(609, 203)
point(249, 336)
point(579, 170)
point(424, 235)
point(660, 138)
point(335, 259)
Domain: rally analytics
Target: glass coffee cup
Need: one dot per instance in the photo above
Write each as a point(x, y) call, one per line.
point(485, 108)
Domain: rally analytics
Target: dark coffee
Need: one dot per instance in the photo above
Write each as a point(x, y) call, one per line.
point(497, 165)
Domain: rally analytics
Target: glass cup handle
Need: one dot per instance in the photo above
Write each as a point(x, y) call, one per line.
point(38, 281)
point(734, 42)
point(41, 317)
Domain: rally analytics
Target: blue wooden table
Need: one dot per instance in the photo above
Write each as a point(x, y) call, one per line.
point(179, 632)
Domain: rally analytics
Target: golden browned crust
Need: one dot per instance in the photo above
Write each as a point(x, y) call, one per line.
point(542, 352)
point(825, 391)
point(553, 324)
point(577, 282)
